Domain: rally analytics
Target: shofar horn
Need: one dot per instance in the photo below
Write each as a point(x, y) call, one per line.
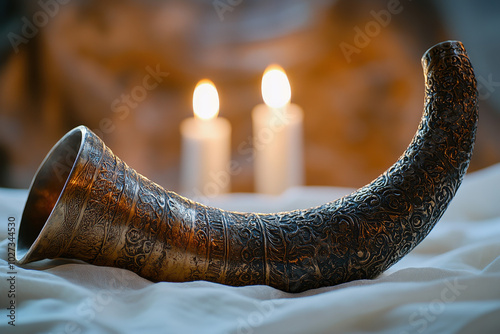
point(85, 203)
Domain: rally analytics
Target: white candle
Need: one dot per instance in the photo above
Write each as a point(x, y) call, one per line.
point(277, 136)
point(206, 146)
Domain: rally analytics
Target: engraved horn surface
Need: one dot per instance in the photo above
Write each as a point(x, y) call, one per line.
point(85, 203)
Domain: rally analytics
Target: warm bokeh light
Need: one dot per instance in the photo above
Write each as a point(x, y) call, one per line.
point(205, 100)
point(276, 90)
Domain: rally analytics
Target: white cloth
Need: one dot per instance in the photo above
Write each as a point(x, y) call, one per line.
point(449, 284)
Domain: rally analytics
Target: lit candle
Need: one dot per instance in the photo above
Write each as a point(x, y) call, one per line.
point(206, 146)
point(277, 136)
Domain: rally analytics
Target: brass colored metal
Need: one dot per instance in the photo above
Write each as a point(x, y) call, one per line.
point(85, 203)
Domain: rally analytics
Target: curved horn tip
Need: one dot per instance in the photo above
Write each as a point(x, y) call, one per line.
point(450, 47)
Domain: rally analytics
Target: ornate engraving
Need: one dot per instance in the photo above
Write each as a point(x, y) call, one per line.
point(129, 222)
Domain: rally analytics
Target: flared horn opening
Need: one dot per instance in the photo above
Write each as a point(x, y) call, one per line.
point(44, 196)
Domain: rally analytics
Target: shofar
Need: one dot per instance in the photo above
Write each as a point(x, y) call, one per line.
point(85, 203)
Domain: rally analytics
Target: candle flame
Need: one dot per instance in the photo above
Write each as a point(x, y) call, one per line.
point(205, 100)
point(276, 90)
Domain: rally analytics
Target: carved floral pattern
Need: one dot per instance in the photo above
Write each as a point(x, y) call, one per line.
point(120, 218)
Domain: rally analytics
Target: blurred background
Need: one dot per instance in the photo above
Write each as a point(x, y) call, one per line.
point(354, 67)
